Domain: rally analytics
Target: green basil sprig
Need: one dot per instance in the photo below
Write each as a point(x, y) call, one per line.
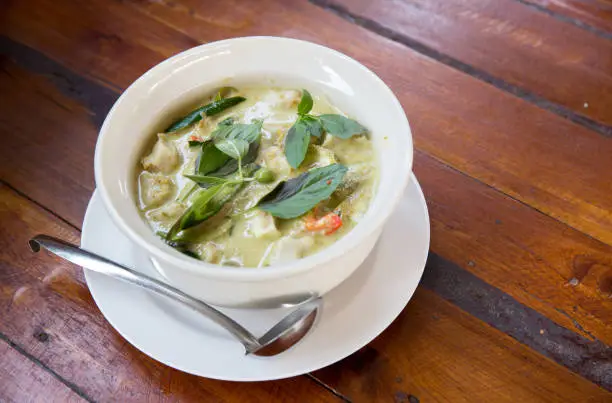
point(211, 109)
point(297, 196)
point(298, 136)
point(230, 143)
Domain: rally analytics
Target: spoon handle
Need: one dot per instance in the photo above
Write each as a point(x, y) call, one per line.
point(99, 264)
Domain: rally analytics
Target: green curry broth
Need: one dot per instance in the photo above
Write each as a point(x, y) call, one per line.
point(233, 236)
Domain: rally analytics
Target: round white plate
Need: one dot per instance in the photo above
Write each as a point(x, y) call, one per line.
point(353, 314)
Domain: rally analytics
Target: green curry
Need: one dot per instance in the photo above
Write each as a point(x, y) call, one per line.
point(257, 176)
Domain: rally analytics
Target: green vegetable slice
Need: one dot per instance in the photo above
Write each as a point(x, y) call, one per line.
point(208, 203)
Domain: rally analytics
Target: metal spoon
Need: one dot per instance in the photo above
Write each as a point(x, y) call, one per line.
point(291, 329)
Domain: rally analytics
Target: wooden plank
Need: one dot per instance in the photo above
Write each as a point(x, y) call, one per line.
point(48, 144)
point(104, 51)
point(437, 349)
point(592, 13)
point(537, 260)
point(434, 352)
point(527, 326)
point(502, 42)
point(503, 254)
point(490, 135)
point(21, 380)
point(48, 311)
point(505, 249)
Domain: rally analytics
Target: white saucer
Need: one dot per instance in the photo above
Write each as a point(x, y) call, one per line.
point(353, 314)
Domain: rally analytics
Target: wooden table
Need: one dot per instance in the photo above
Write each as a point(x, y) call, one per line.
point(510, 102)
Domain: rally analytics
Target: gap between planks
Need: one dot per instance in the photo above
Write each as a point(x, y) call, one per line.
point(40, 364)
point(569, 20)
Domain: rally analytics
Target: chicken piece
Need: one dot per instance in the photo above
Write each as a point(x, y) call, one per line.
point(288, 99)
point(288, 248)
point(209, 252)
point(164, 157)
point(356, 150)
point(261, 225)
point(155, 189)
point(274, 159)
point(204, 128)
point(166, 215)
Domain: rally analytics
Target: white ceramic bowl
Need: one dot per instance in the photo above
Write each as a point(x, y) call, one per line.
point(152, 101)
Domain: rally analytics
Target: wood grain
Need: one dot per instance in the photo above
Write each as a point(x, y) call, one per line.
point(48, 311)
point(21, 380)
point(527, 326)
point(49, 142)
point(490, 135)
point(515, 248)
point(504, 249)
point(437, 353)
point(507, 252)
point(43, 296)
point(503, 42)
point(595, 13)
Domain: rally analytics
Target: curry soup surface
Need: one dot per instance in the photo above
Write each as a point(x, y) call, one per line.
point(240, 233)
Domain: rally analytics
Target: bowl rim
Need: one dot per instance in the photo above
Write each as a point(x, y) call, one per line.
point(332, 252)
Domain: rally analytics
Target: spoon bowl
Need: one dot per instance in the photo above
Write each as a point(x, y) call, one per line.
point(282, 336)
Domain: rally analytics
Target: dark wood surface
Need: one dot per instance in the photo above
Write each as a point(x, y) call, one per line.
point(510, 103)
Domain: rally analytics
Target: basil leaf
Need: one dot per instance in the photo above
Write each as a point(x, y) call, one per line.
point(231, 165)
point(298, 138)
point(210, 159)
point(339, 126)
point(214, 160)
point(240, 131)
point(207, 181)
point(235, 148)
point(296, 143)
point(314, 126)
point(297, 196)
point(210, 109)
point(305, 104)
